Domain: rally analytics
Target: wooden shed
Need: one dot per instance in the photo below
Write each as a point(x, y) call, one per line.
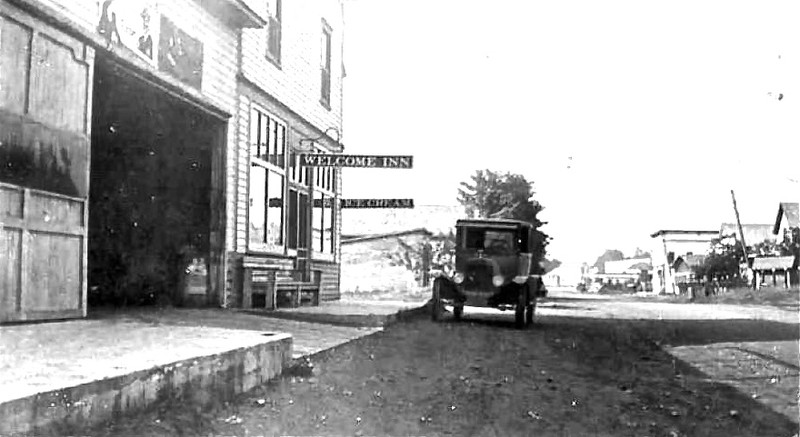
point(781, 269)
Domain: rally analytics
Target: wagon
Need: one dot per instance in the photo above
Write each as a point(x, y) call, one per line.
point(494, 268)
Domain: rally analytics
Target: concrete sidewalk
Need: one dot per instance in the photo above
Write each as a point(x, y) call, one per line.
point(352, 312)
point(115, 362)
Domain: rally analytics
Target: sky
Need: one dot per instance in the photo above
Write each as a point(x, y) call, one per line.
point(627, 116)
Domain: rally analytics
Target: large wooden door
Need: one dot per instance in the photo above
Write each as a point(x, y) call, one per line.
point(45, 99)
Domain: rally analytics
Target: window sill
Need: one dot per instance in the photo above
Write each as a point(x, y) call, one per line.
point(273, 61)
point(273, 251)
point(326, 105)
point(318, 256)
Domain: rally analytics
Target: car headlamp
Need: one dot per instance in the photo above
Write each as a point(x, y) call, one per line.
point(497, 281)
point(458, 278)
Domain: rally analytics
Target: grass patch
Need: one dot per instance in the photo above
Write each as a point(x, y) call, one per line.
point(768, 296)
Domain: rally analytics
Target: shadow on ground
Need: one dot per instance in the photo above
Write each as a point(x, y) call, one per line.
point(634, 356)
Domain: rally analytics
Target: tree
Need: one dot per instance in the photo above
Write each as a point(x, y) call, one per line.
point(723, 261)
point(491, 194)
point(550, 265)
point(639, 253)
point(608, 255)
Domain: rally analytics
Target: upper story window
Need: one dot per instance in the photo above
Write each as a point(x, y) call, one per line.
point(274, 31)
point(325, 65)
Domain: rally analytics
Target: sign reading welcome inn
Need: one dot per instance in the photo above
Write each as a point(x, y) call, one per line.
point(362, 161)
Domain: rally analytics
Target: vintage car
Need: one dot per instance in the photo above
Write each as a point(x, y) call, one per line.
point(494, 268)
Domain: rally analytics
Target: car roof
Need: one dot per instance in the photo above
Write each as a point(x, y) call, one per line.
point(492, 222)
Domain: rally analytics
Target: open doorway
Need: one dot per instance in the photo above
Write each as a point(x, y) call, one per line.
point(150, 188)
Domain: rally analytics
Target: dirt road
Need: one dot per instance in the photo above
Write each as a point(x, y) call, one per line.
point(592, 366)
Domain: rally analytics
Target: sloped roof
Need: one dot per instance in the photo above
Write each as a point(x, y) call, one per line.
point(753, 233)
point(361, 238)
point(438, 219)
point(790, 210)
point(620, 266)
point(773, 262)
point(689, 260)
point(680, 232)
point(641, 266)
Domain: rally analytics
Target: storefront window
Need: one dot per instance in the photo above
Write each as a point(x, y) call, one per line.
point(267, 179)
point(275, 209)
point(324, 210)
point(258, 212)
point(298, 220)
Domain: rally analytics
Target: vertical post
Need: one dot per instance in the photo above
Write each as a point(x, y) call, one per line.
point(741, 232)
point(426, 264)
point(247, 288)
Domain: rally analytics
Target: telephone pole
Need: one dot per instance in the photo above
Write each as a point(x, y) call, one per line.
point(739, 225)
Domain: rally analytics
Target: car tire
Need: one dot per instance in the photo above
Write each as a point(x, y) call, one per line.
point(530, 310)
point(436, 301)
point(519, 311)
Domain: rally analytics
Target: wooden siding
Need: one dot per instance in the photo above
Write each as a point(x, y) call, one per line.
point(240, 176)
point(219, 41)
point(219, 70)
point(329, 281)
point(45, 110)
point(85, 13)
point(296, 82)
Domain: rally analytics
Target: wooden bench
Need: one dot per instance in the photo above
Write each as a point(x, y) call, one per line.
point(276, 284)
point(293, 293)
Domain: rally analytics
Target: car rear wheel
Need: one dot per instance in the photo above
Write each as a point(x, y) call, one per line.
point(458, 311)
point(529, 313)
point(519, 312)
point(436, 301)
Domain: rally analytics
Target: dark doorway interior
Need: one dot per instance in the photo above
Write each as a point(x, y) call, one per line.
point(149, 199)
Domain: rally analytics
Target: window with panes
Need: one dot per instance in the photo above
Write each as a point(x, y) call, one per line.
point(267, 179)
point(325, 65)
point(324, 211)
point(274, 31)
point(298, 227)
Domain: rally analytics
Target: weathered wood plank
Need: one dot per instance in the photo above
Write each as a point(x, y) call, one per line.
point(10, 276)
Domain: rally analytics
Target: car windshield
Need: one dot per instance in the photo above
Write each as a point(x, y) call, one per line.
point(492, 241)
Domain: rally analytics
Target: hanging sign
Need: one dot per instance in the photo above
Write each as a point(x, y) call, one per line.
point(179, 54)
point(377, 203)
point(366, 203)
point(361, 161)
point(133, 24)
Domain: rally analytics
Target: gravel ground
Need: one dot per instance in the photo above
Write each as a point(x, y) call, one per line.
point(567, 376)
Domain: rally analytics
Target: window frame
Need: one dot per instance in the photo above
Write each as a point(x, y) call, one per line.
point(298, 182)
point(326, 46)
point(274, 29)
point(324, 185)
point(270, 168)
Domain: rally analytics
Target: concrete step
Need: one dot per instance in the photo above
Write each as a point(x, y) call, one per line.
point(84, 372)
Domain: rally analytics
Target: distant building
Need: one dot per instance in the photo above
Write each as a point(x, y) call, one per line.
point(389, 262)
point(753, 233)
point(565, 275)
point(684, 267)
point(781, 269)
point(438, 219)
point(668, 246)
point(629, 265)
point(787, 219)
